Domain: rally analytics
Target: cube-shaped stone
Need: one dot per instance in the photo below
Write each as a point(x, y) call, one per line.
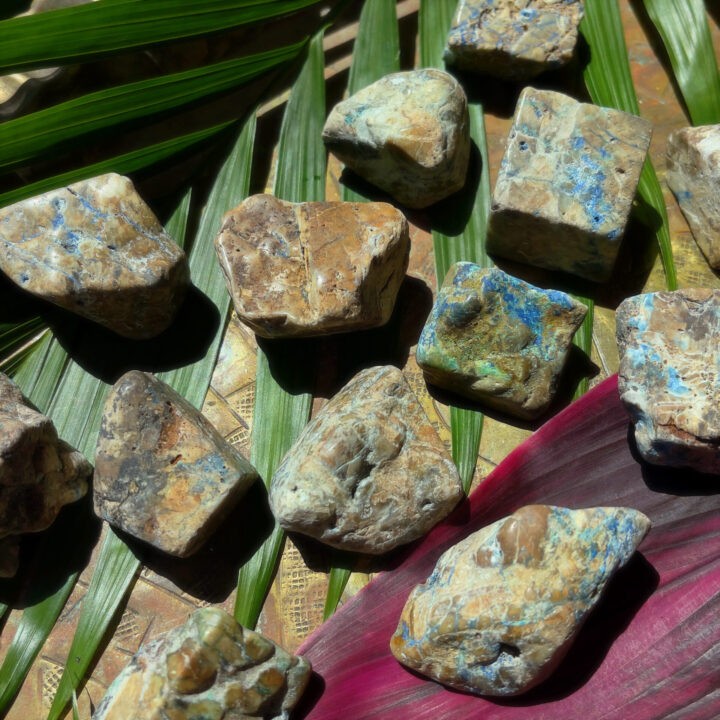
point(669, 376)
point(693, 174)
point(566, 184)
point(497, 339)
point(513, 39)
point(408, 133)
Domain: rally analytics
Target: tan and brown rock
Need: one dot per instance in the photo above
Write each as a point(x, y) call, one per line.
point(303, 269)
point(210, 668)
point(502, 607)
point(162, 472)
point(96, 249)
point(369, 472)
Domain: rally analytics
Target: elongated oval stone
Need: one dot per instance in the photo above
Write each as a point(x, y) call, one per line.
point(497, 339)
point(162, 472)
point(306, 269)
point(407, 133)
point(369, 472)
point(96, 249)
point(501, 608)
point(210, 668)
point(669, 375)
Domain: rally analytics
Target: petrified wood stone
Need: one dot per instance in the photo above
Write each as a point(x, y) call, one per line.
point(369, 472)
point(162, 471)
point(497, 339)
point(210, 668)
point(513, 40)
point(669, 376)
point(96, 249)
point(502, 607)
point(407, 133)
point(302, 269)
point(566, 184)
point(693, 174)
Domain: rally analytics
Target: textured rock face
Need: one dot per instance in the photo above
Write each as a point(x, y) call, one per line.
point(369, 472)
point(497, 339)
point(96, 249)
point(162, 472)
point(669, 376)
point(302, 269)
point(513, 39)
point(407, 133)
point(39, 473)
point(693, 174)
point(566, 184)
point(210, 668)
point(502, 607)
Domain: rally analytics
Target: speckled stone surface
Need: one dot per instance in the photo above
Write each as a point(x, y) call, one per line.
point(39, 473)
point(501, 608)
point(669, 377)
point(304, 269)
point(693, 174)
point(497, 339)
point(162, 472)
point(95, 248)
point(407, 133)
point(369, 472)
point(513, 39)
point(210, 668)
point(566, 184)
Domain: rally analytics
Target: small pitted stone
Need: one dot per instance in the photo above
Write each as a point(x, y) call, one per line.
point(39, 473)
point(210, 668)
point(497, 339)
point(407, 133)
point(501, 608)
point(162, 472)
point(693, 174)
point(669, 376)
point(369, 472)
point(304, 269)
point(566, 184)
point(96, 249)
point(513, 39)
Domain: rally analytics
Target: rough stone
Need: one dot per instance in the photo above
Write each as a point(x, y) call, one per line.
point(39, 473)
point(502, 607)
point(693, 174)
point(407, 133)
point(566, 184)
point(210, 668)
point(513, 39)
point(162, 472)
point(369, 472)
point(9, 556)
point(96, 249)
point(669, 376)
point(303, 269)
point(497, 339)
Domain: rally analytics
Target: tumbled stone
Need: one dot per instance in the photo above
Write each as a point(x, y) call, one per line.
point(501, 608)
point(369, 472)
point(513, 39)
point(210, 668)
point(39, 473)
point(9, 556)
point(304, 269)
point(693, 174)
point(162, 472)
point(566, 184)
point(669, 375)
point(497, 339)
point(407, 133)
point(96, 249)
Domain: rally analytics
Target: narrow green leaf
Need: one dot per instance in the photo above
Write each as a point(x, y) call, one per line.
point(337, 581)
point(583, 340)
point(17, 341)
point(684, 29)
point(609, 82)
point(75, 709)
point(434, 19)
